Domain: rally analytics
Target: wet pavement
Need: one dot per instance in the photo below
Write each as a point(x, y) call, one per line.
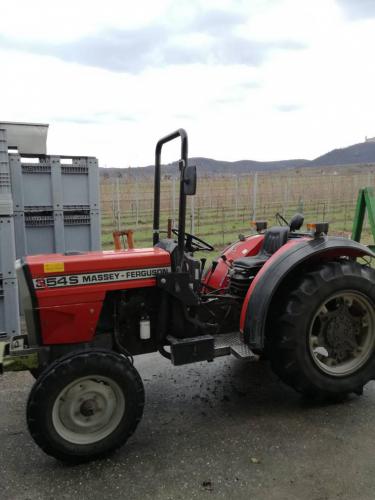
point(226, 429)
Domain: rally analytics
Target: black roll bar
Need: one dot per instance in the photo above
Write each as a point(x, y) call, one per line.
point(182, 202)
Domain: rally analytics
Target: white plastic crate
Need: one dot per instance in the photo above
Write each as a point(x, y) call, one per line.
point(56, 232)
point(49, 182)
point(6, 204)
point(9, 308)
point(7, 248)
point(56, 209)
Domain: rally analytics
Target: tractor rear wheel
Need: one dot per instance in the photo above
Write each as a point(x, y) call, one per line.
point(323, 342)
point(85, 405)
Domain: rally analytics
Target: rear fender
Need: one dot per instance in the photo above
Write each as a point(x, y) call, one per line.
point(281, 266)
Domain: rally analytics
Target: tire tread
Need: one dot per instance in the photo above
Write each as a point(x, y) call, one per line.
point(284, 333)
point(64, 367)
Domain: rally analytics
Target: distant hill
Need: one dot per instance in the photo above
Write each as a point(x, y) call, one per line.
point(362, 153)
point(208, 166)
point(357, 154)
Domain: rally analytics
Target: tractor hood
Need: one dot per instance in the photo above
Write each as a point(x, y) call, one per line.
point(93, 271)
point(62, 294)
point(42, 266)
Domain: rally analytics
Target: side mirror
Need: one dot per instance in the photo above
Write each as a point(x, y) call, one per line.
point(190, 180)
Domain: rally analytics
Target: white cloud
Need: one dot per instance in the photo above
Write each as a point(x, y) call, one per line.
point(289, 103)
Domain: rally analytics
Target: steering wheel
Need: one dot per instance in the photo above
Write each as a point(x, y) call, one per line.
point(194, 244)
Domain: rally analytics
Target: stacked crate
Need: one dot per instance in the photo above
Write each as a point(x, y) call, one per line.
point(56, 203)
point(9, 305)
point(48, 204)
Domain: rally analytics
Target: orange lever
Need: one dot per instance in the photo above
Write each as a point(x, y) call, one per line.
point(117, 235)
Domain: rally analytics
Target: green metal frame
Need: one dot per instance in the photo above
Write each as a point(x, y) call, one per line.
point(366, 201)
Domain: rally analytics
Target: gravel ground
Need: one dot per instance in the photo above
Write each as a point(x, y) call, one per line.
point(226, 429)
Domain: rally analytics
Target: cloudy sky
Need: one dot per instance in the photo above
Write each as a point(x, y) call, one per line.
point(248, 79)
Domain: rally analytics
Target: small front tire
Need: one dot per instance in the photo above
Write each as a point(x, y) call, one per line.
point(85, 405)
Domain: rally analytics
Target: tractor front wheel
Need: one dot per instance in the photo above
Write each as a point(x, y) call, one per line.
point(85, 405)
point(323, 342)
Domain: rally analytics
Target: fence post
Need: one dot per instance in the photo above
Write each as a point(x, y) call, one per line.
point(236, 195)
point(223, 223)
point(255, 192)
point(113, 202)
point(174, 198)
point(136, 203)
point(192, 229)
point(286, 196)
point(118, 203)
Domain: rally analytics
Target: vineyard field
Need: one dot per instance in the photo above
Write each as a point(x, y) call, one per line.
point(224, 206)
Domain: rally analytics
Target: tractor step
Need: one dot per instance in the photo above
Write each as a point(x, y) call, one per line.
point(208, 347)
point(192, 349)
point(231, 343)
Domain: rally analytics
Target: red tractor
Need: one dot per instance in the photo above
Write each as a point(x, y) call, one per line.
point(299, 299)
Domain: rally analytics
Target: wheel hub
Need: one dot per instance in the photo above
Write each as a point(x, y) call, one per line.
point(88, 410)
point(342, 333)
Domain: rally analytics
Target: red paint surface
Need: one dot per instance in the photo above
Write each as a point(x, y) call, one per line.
point(69, 324)
point(70, 314)
point(329, 254)
point(92, 262)
point(219, 277)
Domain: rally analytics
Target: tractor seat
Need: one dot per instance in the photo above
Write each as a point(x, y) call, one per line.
point(274, 239)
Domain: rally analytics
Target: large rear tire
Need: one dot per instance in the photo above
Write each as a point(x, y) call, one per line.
point(323, 341)
point(85, 405)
